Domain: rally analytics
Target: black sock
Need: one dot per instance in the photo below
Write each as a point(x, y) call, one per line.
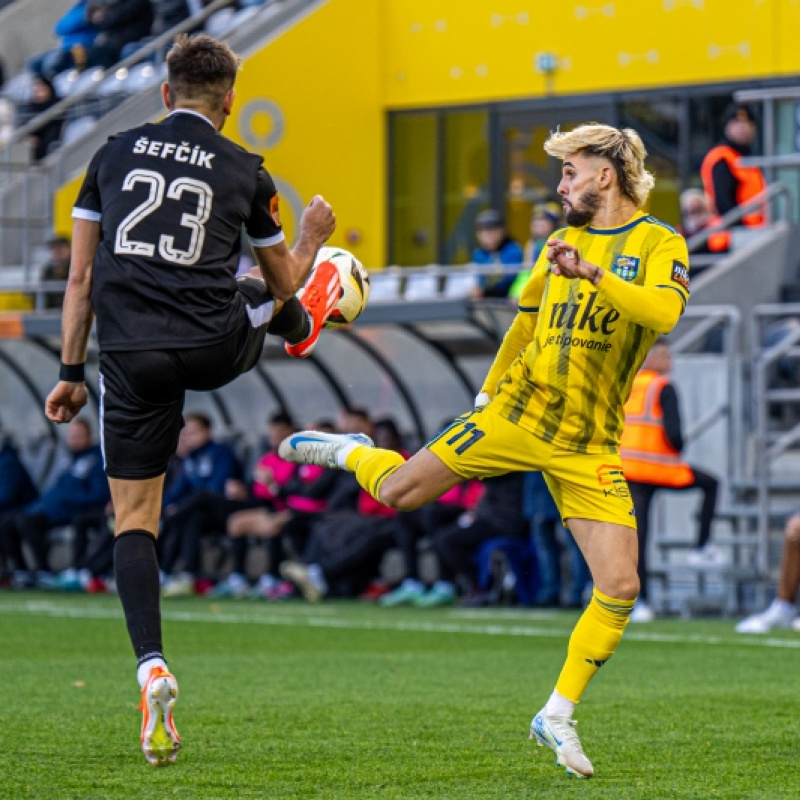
point(139, 590)
point(291, 322)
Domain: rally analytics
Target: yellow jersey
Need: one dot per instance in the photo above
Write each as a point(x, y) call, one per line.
point(569, 383)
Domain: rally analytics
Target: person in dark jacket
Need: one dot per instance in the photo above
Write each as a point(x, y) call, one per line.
point(16, 490)
point(119, 22)
point(209, 467)
point(76, 35)
point(497, 248)
point(81, 487)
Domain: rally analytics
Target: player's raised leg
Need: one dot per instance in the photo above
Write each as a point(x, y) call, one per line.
point(385, 474)
point(611, 553)
point(137, 505)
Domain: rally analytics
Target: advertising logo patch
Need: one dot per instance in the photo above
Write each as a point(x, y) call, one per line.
point(612, 481)
point(626, 267)
point(680, 274)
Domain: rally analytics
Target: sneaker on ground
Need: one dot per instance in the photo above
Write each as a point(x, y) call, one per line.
point(374, 592)
point(559, 734)
point(314, 447)
point(796, 624)
point(282, 591)
point(440, 594)
point(777, 615)
point(97, 586)
point(160, 740)
point(708, 557)
point(319, 298)
point(642, 612)
point(179, 586)
point(405, 594)
point(298, 574)
point(235, 590)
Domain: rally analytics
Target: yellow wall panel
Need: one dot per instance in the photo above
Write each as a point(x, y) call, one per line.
point(464, 51)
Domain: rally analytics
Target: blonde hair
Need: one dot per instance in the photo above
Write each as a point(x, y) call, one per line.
point(623, 148)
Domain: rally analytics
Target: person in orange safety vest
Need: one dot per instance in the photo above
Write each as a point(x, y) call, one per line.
point(726, 182)
point(651, 447)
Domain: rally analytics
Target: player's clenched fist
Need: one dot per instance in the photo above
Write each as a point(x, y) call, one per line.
point(65, 401)
point(318, 219)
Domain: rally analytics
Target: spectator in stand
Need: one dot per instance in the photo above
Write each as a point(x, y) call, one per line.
point(498, 514)
point(728, 184)
point(651, 446)
point(56, 268)
point(167, 14)
point(548, 534)
point(81, 487)
point(7, 113)
point(208, 466)
point(119, 22)
point(76, 34)
point(43, 97)
point(16, 490)
point(695, 218)
point(545, 218)
point(495, 248)
point(782, 611)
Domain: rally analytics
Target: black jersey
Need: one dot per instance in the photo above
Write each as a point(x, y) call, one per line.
point(171, 199)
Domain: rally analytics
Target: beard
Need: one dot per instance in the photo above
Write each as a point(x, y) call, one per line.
point(584, 210)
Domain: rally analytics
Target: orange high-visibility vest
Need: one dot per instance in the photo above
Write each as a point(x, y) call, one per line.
point(647, 455)
point(719, 242)
point(750, 180)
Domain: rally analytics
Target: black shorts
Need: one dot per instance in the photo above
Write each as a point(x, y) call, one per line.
point(142, 392)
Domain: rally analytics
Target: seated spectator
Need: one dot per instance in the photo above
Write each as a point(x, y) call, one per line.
point(498, 514)
point(16, 490)
point(119, 22)
point(550, 537)
point(92, 563)
point(695, 218)
point(56, 268)
point(7, 113)
point(207, 466)
point(81, 487)
point(782, 611)
point(167, 14)
point(76, 34)
point(651, 447)
point(545, 219)
point(498, 249)
point(43, 96)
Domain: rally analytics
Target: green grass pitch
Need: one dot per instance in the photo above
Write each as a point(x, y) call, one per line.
point(343, 700)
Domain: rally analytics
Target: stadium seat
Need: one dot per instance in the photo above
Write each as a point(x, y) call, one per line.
point(140, 77)
point(76, 128)
point(384, 286)
point(459, 284)
point(19, 87)
point(421, 286)
point(220, 22)
point(64, 82)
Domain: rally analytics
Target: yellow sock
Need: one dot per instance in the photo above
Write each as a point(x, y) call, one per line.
point(593, 642)
point(372, 466)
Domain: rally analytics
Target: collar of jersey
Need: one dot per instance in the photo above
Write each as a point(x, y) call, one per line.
point(638, 217)
point(193, 113)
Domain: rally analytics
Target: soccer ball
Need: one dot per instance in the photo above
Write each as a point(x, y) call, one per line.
point(355, 285)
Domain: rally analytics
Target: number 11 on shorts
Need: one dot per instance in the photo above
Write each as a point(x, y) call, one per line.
point(472, 434)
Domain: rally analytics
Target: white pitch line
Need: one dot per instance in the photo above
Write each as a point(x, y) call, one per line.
point(314, 620)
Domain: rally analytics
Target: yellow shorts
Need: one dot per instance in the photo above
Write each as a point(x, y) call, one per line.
point(480, 444)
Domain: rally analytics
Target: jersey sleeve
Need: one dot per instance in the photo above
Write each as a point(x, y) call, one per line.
point(88, 204)
point(264, 225)
point(659, 303)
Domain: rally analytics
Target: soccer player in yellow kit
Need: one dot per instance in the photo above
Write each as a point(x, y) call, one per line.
point(598, 297)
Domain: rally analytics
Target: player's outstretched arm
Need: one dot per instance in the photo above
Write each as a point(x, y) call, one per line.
point(285, 270)
point(70, 396)
point(657, 307)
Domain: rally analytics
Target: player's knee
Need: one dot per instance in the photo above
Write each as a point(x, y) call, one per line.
point(399, 495)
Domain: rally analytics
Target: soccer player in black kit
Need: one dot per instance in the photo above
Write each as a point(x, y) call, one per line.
point(155, 247)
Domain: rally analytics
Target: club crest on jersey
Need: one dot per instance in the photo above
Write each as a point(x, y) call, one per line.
point(680, 274)
point(626, 267)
